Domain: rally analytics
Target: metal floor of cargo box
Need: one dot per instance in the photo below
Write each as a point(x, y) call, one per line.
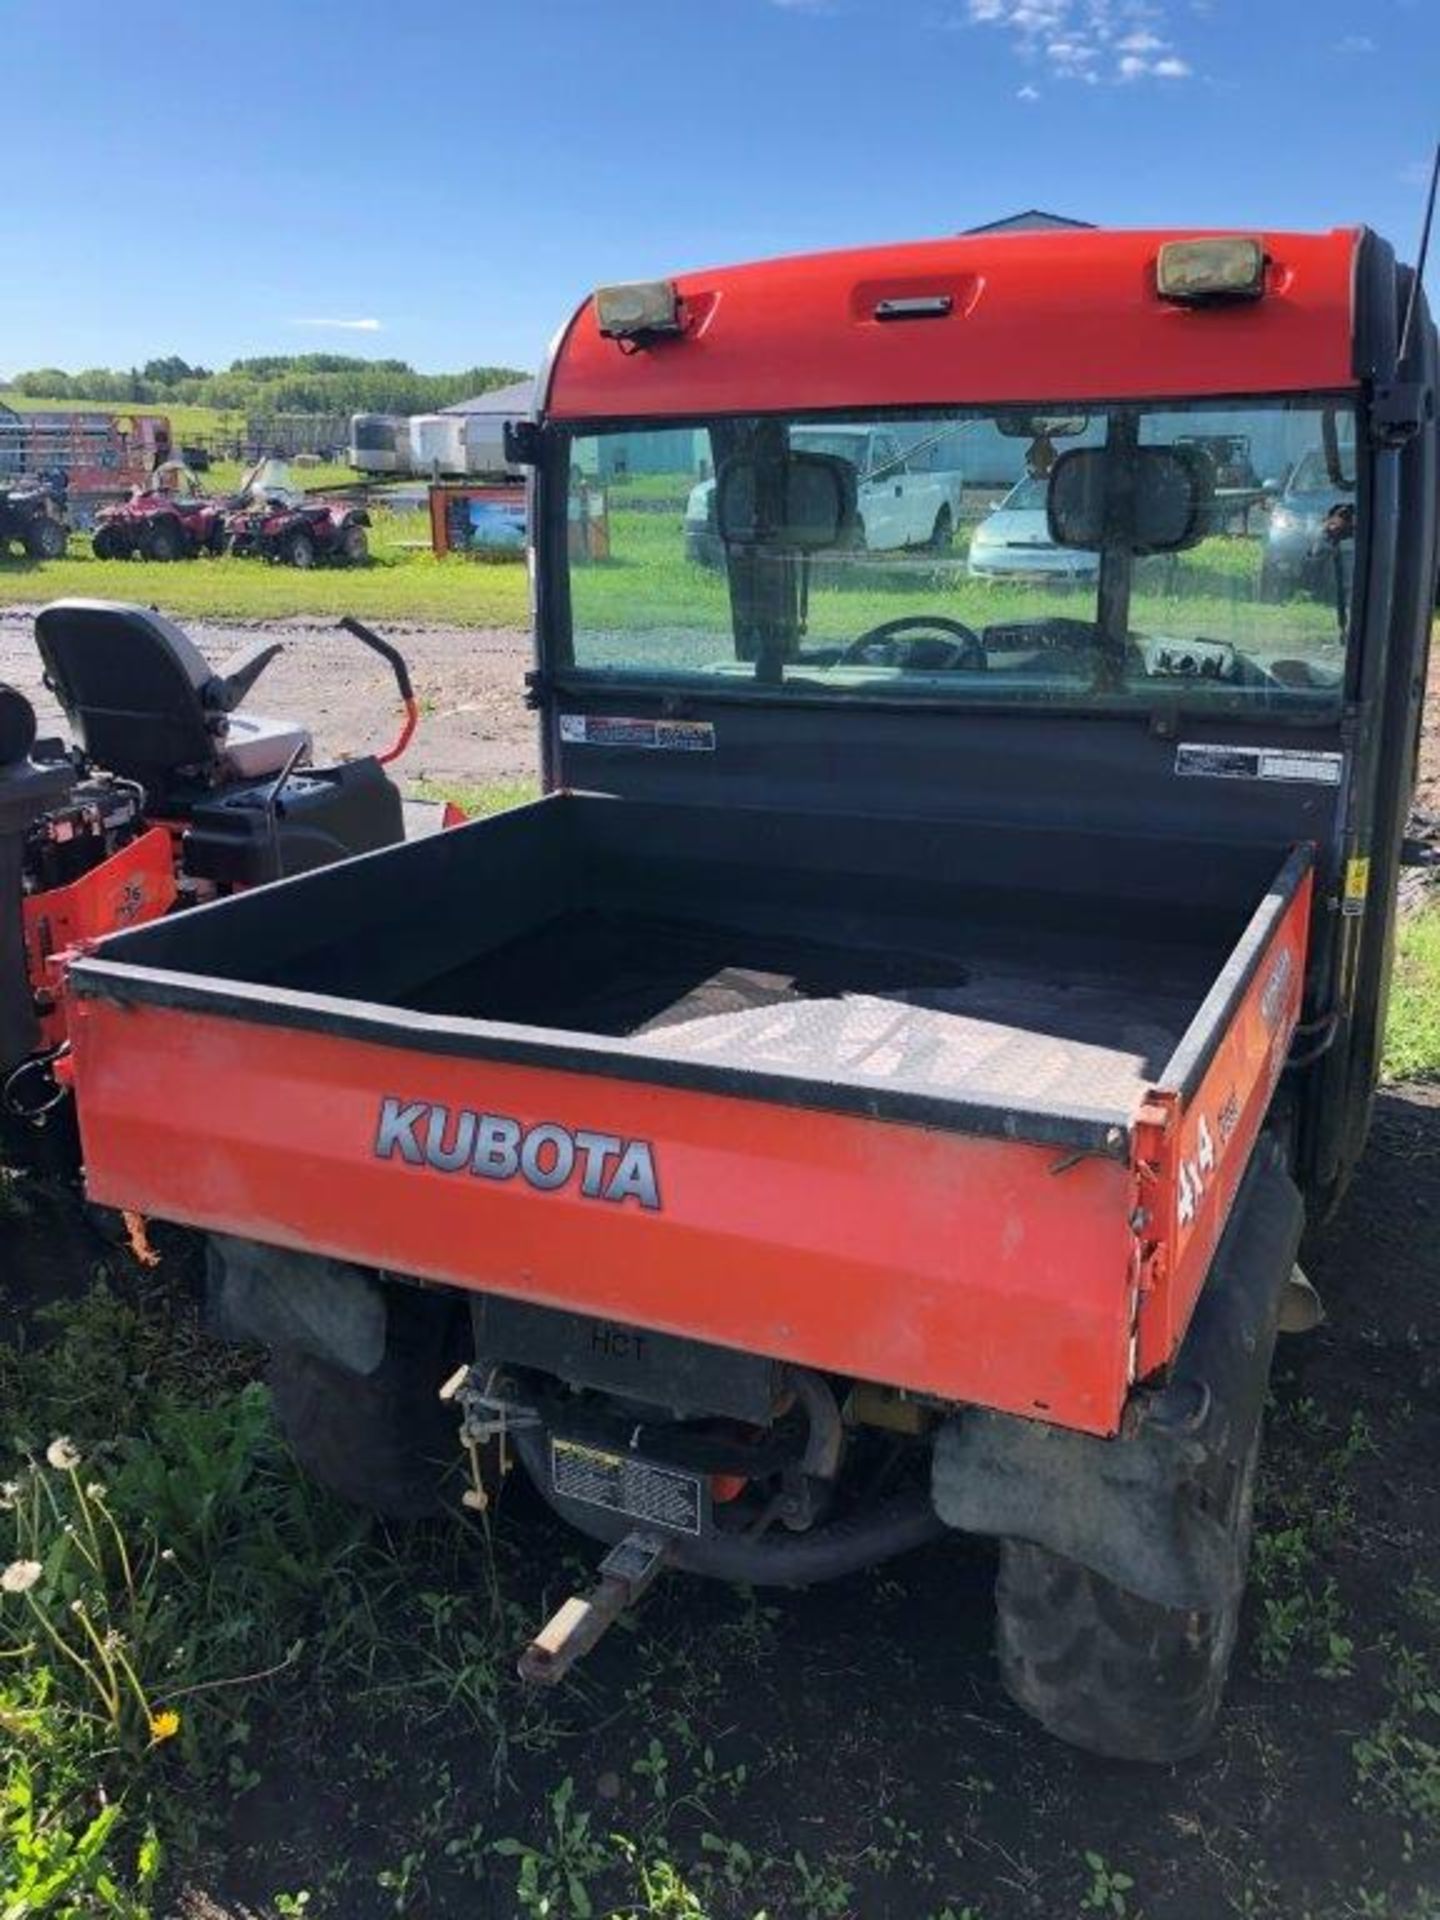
point(1008, 1026)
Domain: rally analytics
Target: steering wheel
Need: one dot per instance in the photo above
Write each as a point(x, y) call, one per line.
point(951, 645)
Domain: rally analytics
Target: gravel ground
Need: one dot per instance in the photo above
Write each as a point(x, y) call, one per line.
point(470, 682)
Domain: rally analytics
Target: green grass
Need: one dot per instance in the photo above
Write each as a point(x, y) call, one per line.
point(647, 602)
point(1412, 1035)
point(224, 476)
point(474, 798)
point(404, 581)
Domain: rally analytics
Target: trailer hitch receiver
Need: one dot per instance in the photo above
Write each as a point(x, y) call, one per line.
point(626, 1573)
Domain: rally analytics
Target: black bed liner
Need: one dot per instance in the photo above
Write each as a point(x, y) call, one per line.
point(901, 970)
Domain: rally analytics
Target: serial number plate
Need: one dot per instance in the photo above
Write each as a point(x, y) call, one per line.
point(638, 1489)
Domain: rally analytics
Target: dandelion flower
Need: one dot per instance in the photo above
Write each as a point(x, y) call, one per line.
point(63, 1455)
point(95, 1491)
point(9, 1495)
point(164, 1725)
point(20, 1576)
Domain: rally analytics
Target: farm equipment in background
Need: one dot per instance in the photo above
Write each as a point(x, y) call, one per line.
point(102, 455)
point(35, 517)
point(279, 523)
point(877, 1093)
point(171, 792)
point(170, 518)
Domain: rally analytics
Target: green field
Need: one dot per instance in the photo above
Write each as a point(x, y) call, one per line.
point(404, 581)
point(1412, 1034)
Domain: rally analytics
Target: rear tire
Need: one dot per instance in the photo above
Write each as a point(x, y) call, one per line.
point(297, 549)
point(46, 540)
point(164, 541)
point(108, 545)
point(382, 1440)
point(354, 546)
point(1107, 1671)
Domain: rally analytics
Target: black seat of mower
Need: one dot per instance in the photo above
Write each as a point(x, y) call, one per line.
point(143, 702)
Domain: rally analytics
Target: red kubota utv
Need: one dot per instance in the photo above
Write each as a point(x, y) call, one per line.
point(876, 1094)
point(280, 524)
point(169, 792)
point(170, 518)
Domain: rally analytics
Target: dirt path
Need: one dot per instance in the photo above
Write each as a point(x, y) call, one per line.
point(470, 681)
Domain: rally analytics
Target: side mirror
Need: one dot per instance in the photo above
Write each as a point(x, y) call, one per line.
point(1154, 500)
point(803, 501)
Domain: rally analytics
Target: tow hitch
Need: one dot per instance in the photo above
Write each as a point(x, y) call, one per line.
point(626, 1573)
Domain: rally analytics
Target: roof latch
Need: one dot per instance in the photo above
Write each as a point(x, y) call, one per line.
point(919, 306)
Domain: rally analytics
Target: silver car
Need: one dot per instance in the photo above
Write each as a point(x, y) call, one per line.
point(1298, 557)
point(1013, 541)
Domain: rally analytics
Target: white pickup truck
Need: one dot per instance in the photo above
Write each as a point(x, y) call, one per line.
point(901, 501)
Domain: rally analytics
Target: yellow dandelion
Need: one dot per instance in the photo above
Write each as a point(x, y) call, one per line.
point(164, 1725)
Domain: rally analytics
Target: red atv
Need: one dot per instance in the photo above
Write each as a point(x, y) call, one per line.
point(278, 522)
point(172, 518)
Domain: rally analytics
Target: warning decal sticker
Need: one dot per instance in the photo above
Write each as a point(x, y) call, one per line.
point(638, 1489)
point(658, 736)
point(1289, 764)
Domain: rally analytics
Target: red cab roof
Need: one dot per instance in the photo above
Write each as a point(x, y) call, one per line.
point(1039, 316)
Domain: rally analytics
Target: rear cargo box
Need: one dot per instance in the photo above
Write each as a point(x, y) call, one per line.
point(895, 1099)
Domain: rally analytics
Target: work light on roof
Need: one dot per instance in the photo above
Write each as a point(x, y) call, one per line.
point(638, 308)
point(1199, 271)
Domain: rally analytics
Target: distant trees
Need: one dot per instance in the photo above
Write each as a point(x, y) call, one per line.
point(267, 383)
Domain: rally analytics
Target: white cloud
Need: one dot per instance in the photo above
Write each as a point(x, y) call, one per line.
point(1029, 95)
point(342, 326)
point(1416, 173)
point(1355, 43)
point(1121, 40)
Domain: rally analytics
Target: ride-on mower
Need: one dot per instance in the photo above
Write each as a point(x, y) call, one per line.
point(279, 523)
point(171, 518)
point(170, 792)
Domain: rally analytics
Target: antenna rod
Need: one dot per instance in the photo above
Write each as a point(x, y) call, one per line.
point(1420, 260)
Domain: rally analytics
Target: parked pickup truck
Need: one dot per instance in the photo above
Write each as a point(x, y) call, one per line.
point(876, 1094)
point(902, 501)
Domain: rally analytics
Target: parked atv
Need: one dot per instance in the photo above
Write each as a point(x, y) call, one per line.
point(35, 515)
point(281, 524)
point(173, 518)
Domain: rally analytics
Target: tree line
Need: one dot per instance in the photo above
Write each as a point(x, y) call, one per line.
point(268, 383)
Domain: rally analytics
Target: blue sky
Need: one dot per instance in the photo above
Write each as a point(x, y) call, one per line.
point(217, 181)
